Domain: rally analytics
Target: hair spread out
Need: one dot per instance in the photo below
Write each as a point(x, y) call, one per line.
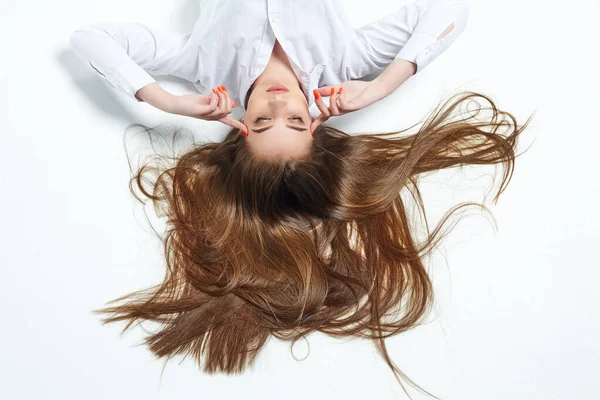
point(320, 243)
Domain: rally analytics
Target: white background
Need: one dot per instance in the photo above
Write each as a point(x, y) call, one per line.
point(515, 314)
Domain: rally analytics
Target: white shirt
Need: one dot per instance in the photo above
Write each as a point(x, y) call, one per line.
point(232, 41)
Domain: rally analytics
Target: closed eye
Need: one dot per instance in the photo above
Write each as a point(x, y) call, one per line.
point(295, 117)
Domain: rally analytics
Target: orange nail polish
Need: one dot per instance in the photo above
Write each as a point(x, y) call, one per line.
point(340, 91)
point(316, 94)
point(332, 90)
point(224, 88)
point(214, 91)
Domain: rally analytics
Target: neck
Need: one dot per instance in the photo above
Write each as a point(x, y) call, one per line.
point(278, 71)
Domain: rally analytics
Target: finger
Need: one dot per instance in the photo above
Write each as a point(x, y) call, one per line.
point(324, 91)
point(333, 102)
point(211, 106)
point(341, 102)
point(316, 122)
point(229, 101)
point(321, 104)
point(228, 120)
point(217, 112)
point(222, 101)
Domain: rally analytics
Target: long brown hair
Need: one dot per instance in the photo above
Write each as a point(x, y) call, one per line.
point(320, 243)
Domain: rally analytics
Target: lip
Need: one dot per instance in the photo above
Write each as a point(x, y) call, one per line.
point(278, 88)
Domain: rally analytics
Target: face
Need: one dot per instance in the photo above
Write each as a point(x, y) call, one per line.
point(278, 121)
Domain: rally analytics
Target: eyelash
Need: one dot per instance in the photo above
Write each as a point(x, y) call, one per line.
point(295, 117)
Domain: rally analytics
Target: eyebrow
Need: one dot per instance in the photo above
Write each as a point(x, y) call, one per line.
point(270, 126)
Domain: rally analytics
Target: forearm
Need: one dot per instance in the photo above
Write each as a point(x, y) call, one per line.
point(395, 74)
point(156, 96)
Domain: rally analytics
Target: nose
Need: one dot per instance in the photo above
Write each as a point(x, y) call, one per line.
point(278, 100)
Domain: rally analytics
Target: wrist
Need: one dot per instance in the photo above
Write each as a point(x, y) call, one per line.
point(395, 74)
point(157, 97)
point(381, 88)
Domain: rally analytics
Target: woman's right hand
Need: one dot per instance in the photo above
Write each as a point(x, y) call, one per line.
point(215, 107)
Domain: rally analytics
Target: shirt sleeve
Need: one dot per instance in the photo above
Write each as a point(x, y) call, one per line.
point(417, 32)
point(125, 54)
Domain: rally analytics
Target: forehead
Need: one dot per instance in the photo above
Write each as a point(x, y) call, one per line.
point(279, 141)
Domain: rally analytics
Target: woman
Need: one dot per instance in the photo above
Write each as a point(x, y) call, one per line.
point(307, 47)
point(288, 225)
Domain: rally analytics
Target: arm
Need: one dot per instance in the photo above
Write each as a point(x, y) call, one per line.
point(156, 96)
point(124, 54)
point(421, 31)
point(434, 26)
point(394, 75)
point(405, 41)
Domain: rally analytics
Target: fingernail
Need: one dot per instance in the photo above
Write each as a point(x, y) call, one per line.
point(244, 132)
point(234, 104)
point(214, 91)
point(316, 94)
point(332, 90)
point(224, 88)
point(340, 91)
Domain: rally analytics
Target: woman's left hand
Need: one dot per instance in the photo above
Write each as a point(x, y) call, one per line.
point(347, 97)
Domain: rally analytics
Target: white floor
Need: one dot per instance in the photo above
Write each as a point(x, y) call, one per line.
point(516, 313)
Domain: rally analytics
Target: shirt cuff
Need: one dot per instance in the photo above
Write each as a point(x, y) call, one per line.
point(419, 49)
point(130, 77)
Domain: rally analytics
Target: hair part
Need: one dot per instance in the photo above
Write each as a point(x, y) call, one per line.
point(318, 243)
